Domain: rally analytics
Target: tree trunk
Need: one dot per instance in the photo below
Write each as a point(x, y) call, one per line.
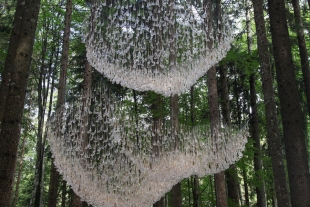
point(254, 128)
point(76, 201)
point(15, 40)
point(63, 193)
point(273, 133)
point(53, 187)
point(20, 168)
point(160, 203)
point(157, 105)
point(258, 166)
point(177, 195)
point(195, 189)
point(219, 178)
point(174, 108)
point(304, 61)
point(13, 90)
point(42, 99)
point(292, 117)
point(246, 188)
point(61, 96)
point(231, 173)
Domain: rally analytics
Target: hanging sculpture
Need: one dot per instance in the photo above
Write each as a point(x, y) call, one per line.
point(111, 157)
point(159, 45)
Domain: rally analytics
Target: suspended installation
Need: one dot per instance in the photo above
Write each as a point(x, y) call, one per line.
point(113, 158)
point(159, 45)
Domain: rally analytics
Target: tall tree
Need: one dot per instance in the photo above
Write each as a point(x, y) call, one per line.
point(260, 189)
point(54, 177)
point(258, 166)
point(44, 73)
point(304, 61)
point(195, 178)
point(219, 178)
point(273, 132)
point(13, 90)
point(292, 117)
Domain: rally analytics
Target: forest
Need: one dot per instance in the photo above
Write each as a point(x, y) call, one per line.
point(78, 129)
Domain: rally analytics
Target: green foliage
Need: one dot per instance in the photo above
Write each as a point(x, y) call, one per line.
point(242, 59)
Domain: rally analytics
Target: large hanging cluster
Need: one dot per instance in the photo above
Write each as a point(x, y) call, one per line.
point(158, 45)
point(112, 157)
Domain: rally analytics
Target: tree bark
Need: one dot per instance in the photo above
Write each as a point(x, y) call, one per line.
point(195, 189)
point(174, 108)
point(160, 203)
point(273, 133)
point(61, 97)
point(258, 166)
point(254, 128)
point(76, 201)
point(20, 168)
point(246, 188)
point(292, 117)
point(63, 193)
point(304, 61)
point(42, 99)
point(157, 105)
point(231, 173)
point(13, 90)
point(219, 178)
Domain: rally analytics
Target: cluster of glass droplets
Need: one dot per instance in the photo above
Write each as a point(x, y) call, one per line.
point(113, 158)
point(159, 45)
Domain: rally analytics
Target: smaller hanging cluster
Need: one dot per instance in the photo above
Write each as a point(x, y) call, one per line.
point(112, 157)
point(159, 45)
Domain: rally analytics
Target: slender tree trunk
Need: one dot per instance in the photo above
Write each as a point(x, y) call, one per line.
point(258, 166)
point(157, 119)
point(195, 189)
point(13, 90)
point(273, 133)
point(304, 61)
point(292, 117)
point(20, 168)
point(219, 178)
point(174, 108)
point(54, 180)
point(63, 193)
point(246, 188)
point(231, 173)
point(42, 99)
point(254, 129)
